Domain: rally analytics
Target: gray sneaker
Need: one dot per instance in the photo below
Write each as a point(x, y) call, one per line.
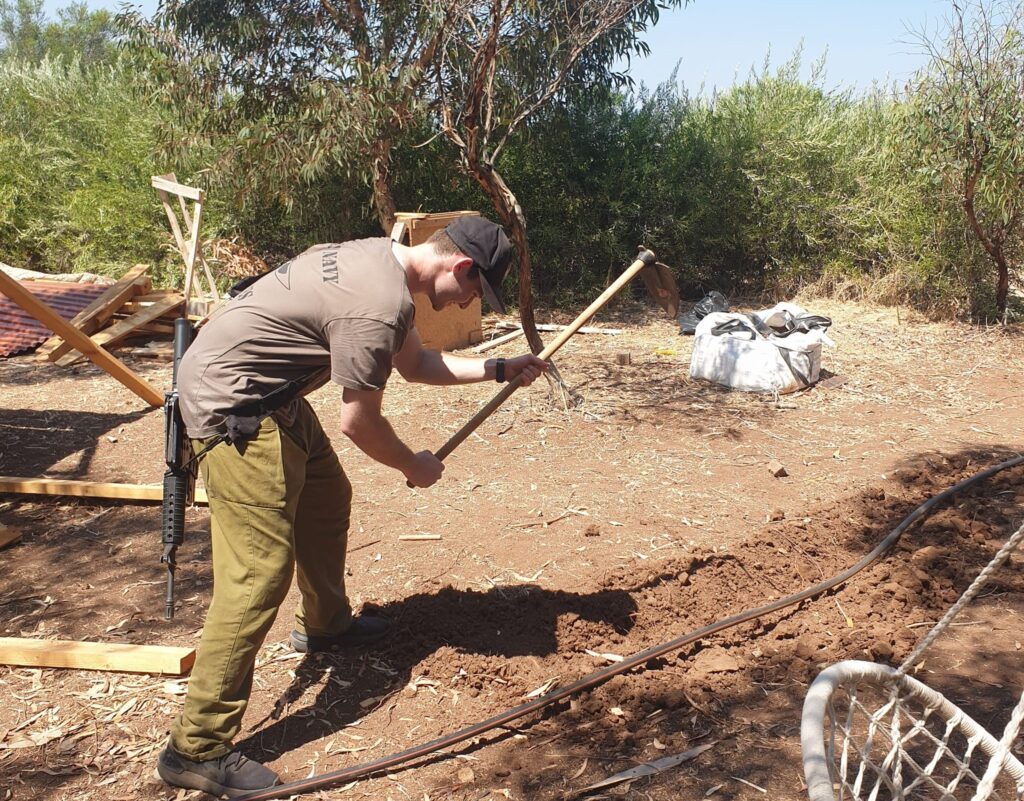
point(228, 776)
point(365, 629)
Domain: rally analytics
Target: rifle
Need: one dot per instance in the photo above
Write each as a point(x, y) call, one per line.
point(180, 478)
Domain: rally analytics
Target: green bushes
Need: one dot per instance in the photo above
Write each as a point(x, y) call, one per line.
point(774, 184)
point(75, 160)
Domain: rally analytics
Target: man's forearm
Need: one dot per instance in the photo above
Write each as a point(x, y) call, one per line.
point(375, 437)
point(447, 368)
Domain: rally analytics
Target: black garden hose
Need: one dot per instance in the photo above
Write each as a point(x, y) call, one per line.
point(325, 780)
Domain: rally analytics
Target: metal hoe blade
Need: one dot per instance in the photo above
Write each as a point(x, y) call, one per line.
point(662, 287)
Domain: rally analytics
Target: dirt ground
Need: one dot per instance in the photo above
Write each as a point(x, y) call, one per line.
point(564, 534)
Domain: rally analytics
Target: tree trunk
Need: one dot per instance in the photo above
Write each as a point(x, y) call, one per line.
point(383, 197)
point(1003, 282)
point(511, 214)
point(993, 244)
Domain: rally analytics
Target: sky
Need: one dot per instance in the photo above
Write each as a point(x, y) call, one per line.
point(714, 42)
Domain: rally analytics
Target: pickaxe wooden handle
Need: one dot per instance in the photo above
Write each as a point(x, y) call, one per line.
point(645, 259)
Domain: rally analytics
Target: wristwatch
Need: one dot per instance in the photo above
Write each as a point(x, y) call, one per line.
point(499, 371)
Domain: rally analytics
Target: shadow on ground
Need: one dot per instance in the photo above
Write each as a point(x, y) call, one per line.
point(32, 441)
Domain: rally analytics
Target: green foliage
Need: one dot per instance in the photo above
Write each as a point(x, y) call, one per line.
point(75, 162)
point(965, 116)
point(286, 94)
point(78, 33)
point(776, 183)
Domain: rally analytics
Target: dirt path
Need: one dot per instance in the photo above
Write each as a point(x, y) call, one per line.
point(644, 514)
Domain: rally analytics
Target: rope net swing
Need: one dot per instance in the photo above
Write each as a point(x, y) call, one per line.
point(870, 732)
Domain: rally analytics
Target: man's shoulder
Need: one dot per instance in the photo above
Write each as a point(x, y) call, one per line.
point(375, 247)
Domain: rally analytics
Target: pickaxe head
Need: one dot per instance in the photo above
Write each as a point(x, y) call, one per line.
point(662, 287)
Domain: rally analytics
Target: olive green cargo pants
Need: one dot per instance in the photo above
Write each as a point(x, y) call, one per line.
point(283, 501)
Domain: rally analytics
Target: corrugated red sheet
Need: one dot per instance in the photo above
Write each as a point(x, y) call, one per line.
point(20, 331)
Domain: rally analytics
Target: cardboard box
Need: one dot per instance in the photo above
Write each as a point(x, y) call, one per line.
point(453, 327)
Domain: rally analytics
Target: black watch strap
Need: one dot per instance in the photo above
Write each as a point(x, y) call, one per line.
point(499, 371)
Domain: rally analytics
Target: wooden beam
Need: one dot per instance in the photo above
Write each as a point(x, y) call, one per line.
point(167, 185)
point(8, 535)
point(123, 328)
point(89, 489)
point(498, 341)
point(155, 328)
point(210, 283)
point(191, 250)
point(52, 320)
point(154, 295)
point(98, 312)
point(587, 329)
point(119, 657)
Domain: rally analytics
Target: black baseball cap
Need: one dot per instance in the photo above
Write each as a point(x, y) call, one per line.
point(486, 244)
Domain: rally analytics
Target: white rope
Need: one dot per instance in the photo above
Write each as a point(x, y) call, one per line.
point(884, 749)
point(1009, 735)
point(969, 594)
point(896, 756)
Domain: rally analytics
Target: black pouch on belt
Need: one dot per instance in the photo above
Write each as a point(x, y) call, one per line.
point(244, 421)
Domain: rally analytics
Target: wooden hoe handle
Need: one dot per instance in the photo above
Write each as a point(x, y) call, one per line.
point(645, 259)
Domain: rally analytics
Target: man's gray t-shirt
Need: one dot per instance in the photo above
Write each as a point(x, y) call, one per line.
point(336, 312)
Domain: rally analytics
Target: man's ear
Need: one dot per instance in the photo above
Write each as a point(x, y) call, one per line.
point(461, 264)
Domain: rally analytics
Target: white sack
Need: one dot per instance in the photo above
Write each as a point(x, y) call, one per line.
point(752, 359)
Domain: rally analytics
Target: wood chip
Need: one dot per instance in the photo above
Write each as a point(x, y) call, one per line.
point(581, 771)
point(545, 688)
point(749, 784)
point(650, 768)
point(606, 657)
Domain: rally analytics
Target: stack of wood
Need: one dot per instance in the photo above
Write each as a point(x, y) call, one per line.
point(128, 308)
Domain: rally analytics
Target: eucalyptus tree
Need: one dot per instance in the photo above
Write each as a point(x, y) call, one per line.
point(293, 88)
point(969, 123)
point(502, 61)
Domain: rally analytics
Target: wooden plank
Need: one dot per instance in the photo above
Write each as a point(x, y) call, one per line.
point(452, 327)
point(167, 184)
point(52, 320)
point(498, 341)
point(120, 657)
point(210, 283)
point(8, 535)
point(505, 326)
point(157, 294)
point(121, 329)
point(172, 219)
point(89, 489)
point(154, 328)
point(446, 216)
point(193, 251)
point(92, 317)
point(201, 308)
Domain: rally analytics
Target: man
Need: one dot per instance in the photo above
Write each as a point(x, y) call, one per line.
point(279, 499)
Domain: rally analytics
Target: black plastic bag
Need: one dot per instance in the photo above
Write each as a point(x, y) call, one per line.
point(711, 302)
